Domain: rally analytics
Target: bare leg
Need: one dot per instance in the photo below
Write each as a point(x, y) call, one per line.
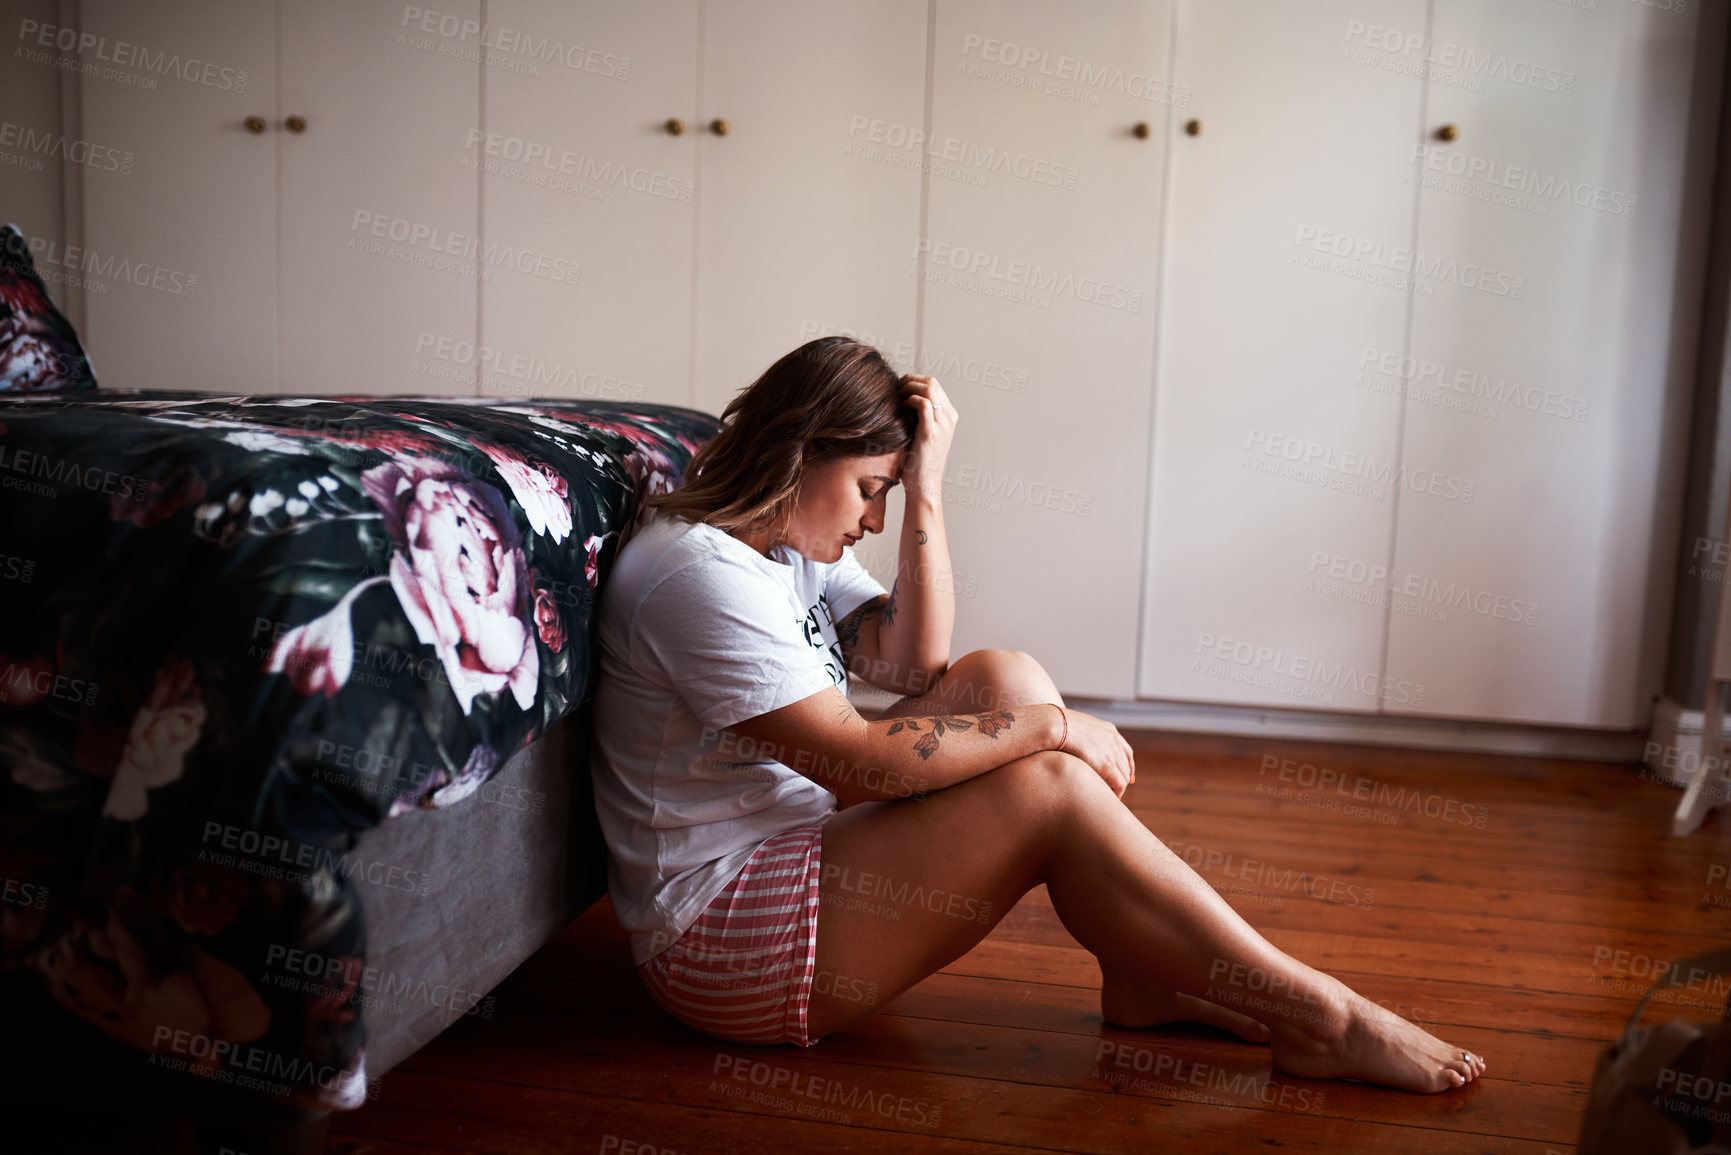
point(1005, 679)
point(910, 886)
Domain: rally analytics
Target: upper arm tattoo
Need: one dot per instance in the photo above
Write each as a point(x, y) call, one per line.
point(847, 630)
point(889, 606)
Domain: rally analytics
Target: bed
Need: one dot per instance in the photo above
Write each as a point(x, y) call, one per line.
point(294, 716)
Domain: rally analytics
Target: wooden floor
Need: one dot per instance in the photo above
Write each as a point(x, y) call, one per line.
point(1500, 938)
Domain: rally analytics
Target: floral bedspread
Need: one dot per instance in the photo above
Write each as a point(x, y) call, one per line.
point(236, 633)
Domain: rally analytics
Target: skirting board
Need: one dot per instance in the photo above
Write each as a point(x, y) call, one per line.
point(1360, 730)
point(1372, 730)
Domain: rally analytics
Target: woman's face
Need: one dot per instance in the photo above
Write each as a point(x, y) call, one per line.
point(840, 501)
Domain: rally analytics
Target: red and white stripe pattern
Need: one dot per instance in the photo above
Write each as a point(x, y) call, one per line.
point(743, 971)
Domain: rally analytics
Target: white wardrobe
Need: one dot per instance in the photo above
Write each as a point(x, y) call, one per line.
point(1311, 354)
point(1416, 362)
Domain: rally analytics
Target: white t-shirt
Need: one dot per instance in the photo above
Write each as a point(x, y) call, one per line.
point(699, 631)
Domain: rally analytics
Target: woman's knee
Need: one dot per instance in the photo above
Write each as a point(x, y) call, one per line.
point(1049, 786)
point(1006, 679)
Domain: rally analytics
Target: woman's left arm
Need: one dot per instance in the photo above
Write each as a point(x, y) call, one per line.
point(902, 643)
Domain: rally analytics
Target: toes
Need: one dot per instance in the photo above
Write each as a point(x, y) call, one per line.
point(1462, 1071)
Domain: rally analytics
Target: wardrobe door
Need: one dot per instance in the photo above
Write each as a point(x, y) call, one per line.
point(1288, 265)
point(810, 201)
point(178, 256)
point(381, 265)
point(1541, 384)
point(587, 199)
point(1038, 274)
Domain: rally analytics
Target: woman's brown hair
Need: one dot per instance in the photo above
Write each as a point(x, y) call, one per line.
point(832, 397)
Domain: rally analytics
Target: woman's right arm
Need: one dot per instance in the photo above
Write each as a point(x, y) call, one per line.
point(823, 737)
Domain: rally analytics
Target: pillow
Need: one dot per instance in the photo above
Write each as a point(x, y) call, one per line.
point(38, 348)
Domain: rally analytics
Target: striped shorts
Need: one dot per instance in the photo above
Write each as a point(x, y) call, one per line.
point(743, 971)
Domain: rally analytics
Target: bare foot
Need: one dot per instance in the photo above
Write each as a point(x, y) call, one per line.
point(1346, 1036)
point(1137, 1005)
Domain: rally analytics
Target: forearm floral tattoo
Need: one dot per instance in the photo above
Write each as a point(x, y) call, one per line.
point(990, 724)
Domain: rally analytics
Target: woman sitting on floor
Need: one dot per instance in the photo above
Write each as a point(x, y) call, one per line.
point(774, 854)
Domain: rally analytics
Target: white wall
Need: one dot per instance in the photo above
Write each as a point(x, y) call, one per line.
point(37, 132)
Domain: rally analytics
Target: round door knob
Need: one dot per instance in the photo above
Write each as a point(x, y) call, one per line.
point(1141, 131)
point(295, 124)
point(1447, 132)
point(673, 125)
point(1193, 128)
point(718, 126)
point(254, 124)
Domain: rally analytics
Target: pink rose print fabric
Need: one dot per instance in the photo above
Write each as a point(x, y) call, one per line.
point(241, 631)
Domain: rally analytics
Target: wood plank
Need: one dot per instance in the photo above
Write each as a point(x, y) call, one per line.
point(658, 1060)
point(1351, 959)
point(1565, 1062)
point(1590, 794)
point(1476, 912)
point(531, 1050)
point(1492, 938)
point(1608, 994)
point(1572, 1027)
point(1586, 857)
point(1569, 947)
point(432, 1111)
